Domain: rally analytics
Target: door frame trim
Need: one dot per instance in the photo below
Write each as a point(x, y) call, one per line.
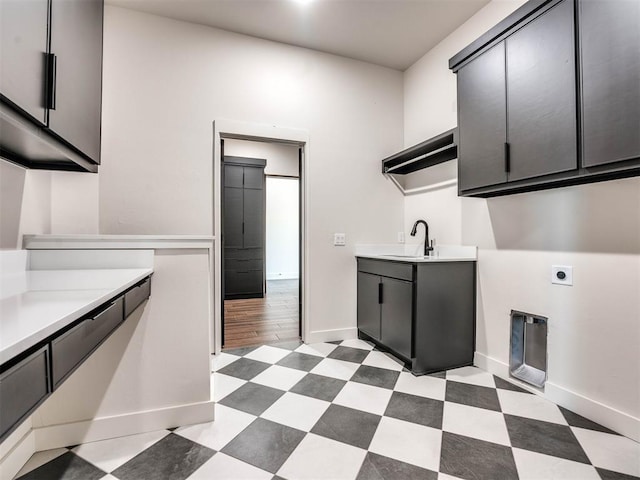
point(230, 129)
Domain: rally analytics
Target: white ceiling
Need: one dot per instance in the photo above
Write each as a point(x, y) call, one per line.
point(392, 33)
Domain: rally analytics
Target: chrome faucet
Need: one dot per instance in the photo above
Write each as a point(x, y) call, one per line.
point(427, 247)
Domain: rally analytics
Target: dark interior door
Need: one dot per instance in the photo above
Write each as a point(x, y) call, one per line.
point(541, 95)
point(396, 315)
point(76, 41)
point(482, 120)
point(23, 40)
point(610, 56)
point(368, 304)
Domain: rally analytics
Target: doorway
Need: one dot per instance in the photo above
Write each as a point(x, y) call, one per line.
point(261, 242)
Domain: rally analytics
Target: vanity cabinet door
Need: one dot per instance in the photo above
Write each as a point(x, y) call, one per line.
point(369, 304)
point(396, 313)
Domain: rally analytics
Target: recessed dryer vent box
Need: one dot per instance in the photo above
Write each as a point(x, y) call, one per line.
point(528, 352)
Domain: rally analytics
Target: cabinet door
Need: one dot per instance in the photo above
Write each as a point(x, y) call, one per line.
point(254, 214)
point(482, 120)
point(76, 41)
point(541, 95)
point(23, 40)
point(610, 56)
point(233, 208)
point(368, 304)
point(396, 315)
point(22, 388)
point(233, 176)
point(254, 177)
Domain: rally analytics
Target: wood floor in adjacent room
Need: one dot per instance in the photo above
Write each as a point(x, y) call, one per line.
point(256, 321)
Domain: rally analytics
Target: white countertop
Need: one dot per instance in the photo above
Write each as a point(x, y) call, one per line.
point(36, 303)
point(413, 253)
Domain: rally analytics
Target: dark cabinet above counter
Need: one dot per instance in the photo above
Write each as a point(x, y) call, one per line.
point(550, 97)
point(51, 83)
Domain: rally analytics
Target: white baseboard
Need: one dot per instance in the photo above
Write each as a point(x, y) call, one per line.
point(56, 436)
point(605, 415)
point(282, 276)
point(332, 335)
point(16, 450)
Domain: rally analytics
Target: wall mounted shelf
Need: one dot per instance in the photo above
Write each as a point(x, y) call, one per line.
point(433, 151)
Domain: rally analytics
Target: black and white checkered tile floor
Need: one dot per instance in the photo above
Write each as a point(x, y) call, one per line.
point(347, 411)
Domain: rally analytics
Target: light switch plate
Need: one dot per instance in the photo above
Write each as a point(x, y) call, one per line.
point(562, 274)
point(339, 239)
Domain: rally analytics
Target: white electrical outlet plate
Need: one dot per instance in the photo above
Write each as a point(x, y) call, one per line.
point(562, 274)
point(400, 237)
point(339, 239)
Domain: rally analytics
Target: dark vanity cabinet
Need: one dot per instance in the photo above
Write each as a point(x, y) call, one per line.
point(385, 303)
point(422, 312)
point(51, 83)
point(243, 227)
point(529, 94)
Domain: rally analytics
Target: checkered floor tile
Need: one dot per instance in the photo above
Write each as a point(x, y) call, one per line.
point(345, 410)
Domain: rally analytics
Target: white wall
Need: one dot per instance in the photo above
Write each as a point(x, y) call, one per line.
point(282, 159)
point(282, 228)
point(166, 81)
point(41, 202)
point(594, 327)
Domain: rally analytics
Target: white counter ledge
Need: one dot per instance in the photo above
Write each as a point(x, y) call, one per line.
point(414, 253)
point(35, 302)
point(63, 242)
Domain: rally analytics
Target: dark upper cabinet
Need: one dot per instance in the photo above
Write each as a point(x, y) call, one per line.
point(482, 120)
point(529, 95)
point(610, 56)
point(541, 95)
point(517, 104)
point(76, 42)
point(24, 40)
point(51, 83)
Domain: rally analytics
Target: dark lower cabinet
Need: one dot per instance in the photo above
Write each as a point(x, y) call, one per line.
point(26, 382)
point(23, 387)
point(384, 311)
point(423, 312)
point(70, 349)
